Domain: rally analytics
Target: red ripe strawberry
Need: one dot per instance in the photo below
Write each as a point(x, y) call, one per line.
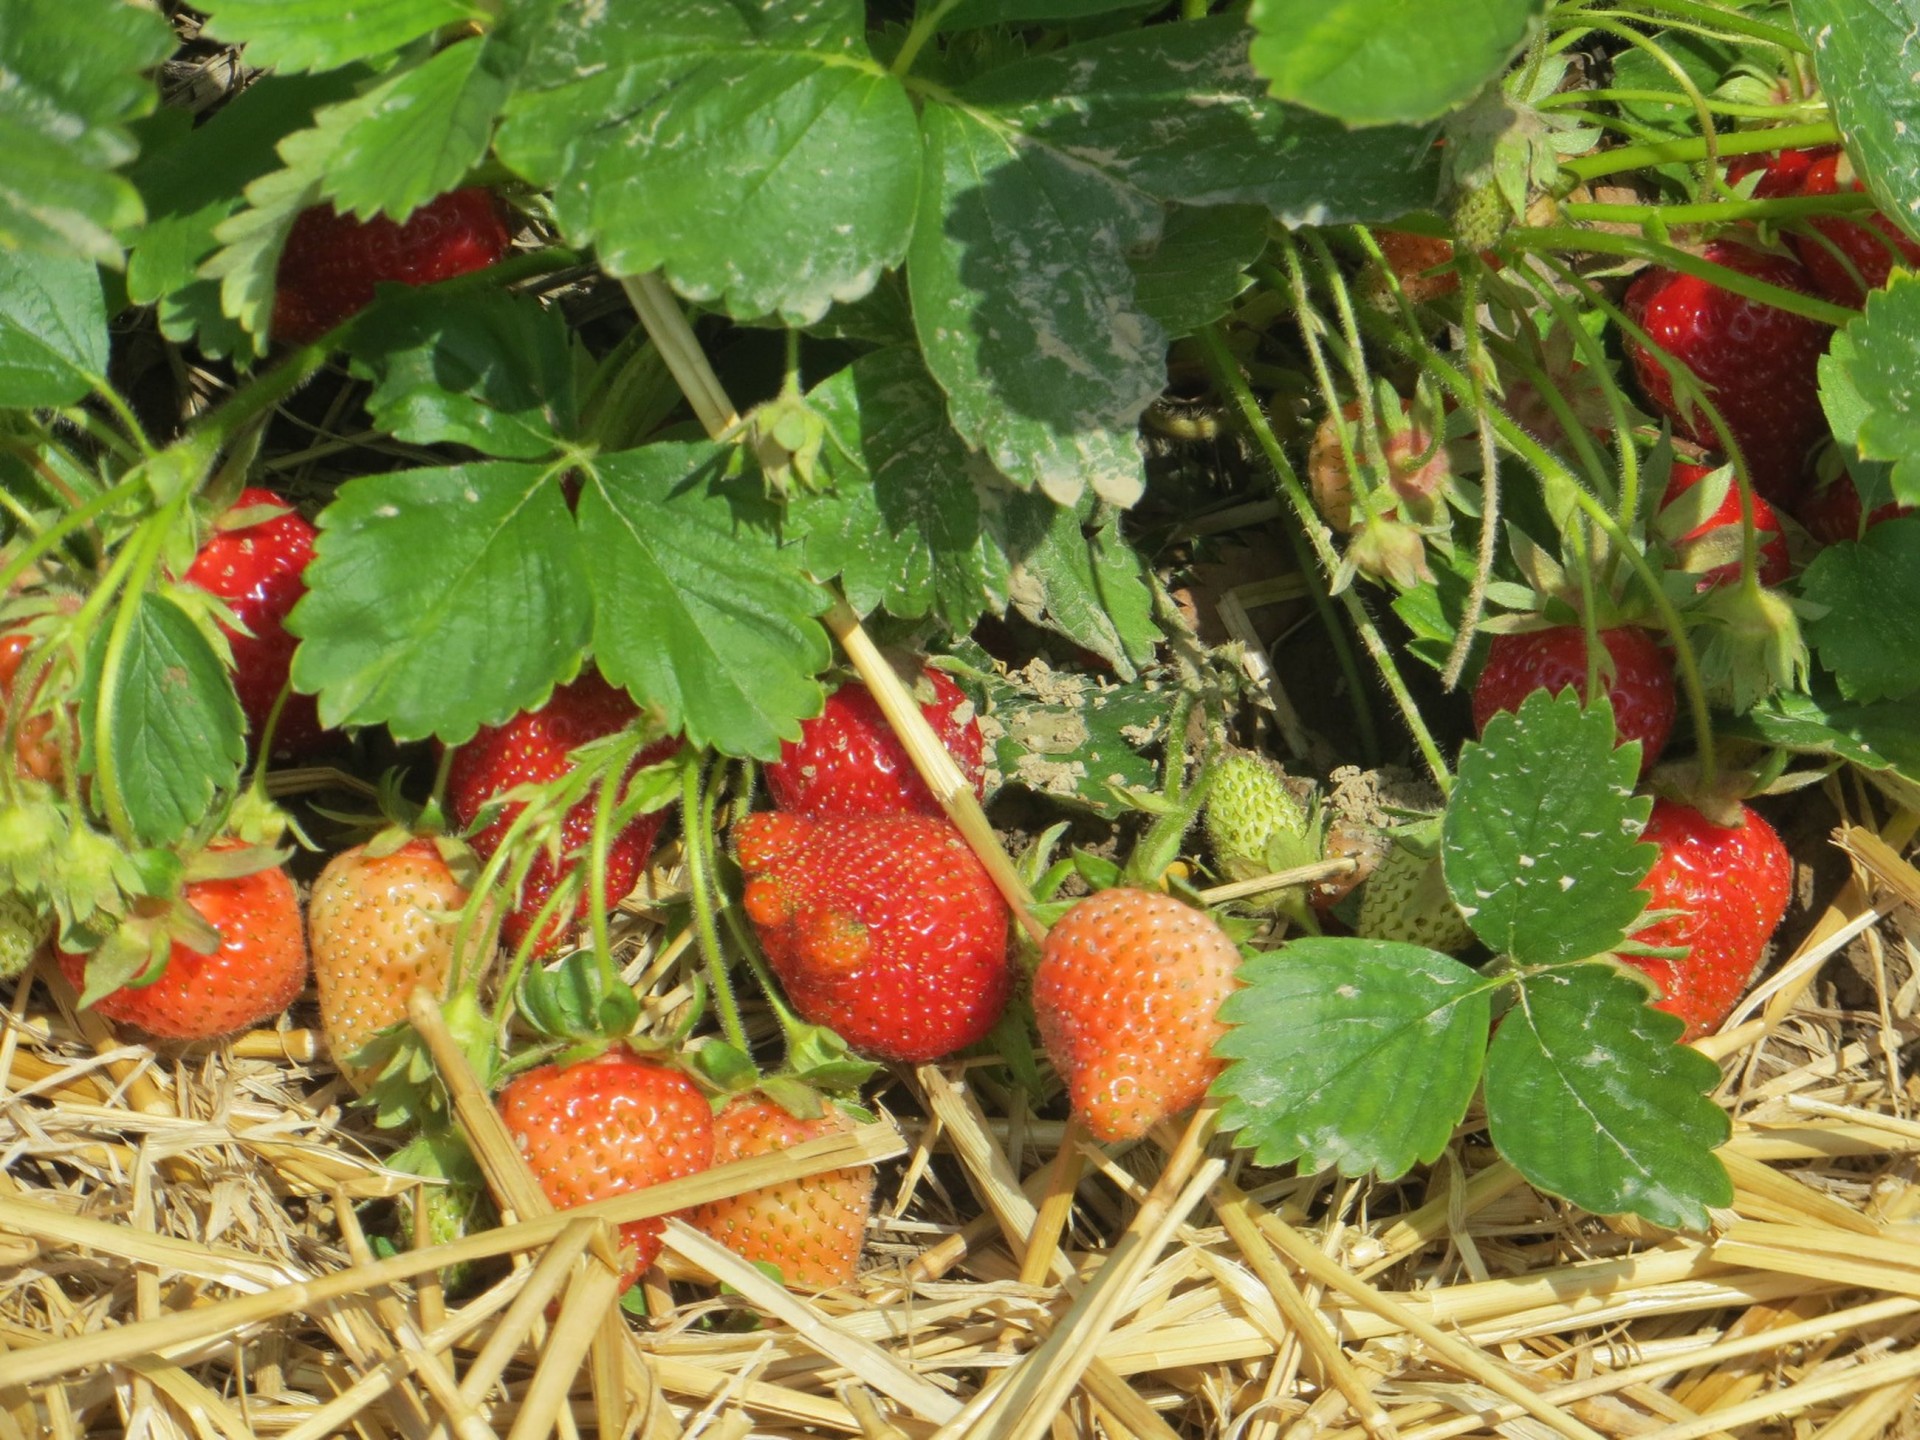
point(1756, 362)
point(1871, 245)
point(36, 753)
point(609, 1126)
point(378, 926)
point(533, 748)
point(886, 929)
point(332, 262)
point(1723, 527)
point(811, 1230)
point(1832, 513)
point(1637, 676)
point(849, 762)
point(1127, 998)
point(258, 970)
point(1732, 885)
point(1784, 171)
point(257, 569)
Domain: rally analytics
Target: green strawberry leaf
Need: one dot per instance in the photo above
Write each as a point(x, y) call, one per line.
point(1541, 842)
point(192, 177)
point(901, 521)
point(1879, 356)
point(1356, 1054)
point(576, 998)
point(1383, 62)
point(442, 600)
point(1082, 742)
point(1868, 592)
point(1883, 736)
point(1192, 275)
point(700, 609)
point(1589, 1097)
point(780, 161)
point(418, 132)
point(1087, 584)
point(1176, 111)
point(497, 372)
point(72, 75)
point(1023, 298)
point(319, 34)
point(972, 14)
point(176, 737)
point(1865, 57)
point(53, 331)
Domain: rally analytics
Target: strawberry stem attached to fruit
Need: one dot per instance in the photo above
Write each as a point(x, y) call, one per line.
point(697, 814)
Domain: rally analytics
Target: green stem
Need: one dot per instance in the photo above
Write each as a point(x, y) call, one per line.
point(1709, 136)
point(599, 842)
point(1228, 376)
point(1709, 20)
point(1714, 212)
point(1576, 101)
point(926, 24)
point(122, 412)
point(1603, 242)
point(1693, 148)
point(700, 881)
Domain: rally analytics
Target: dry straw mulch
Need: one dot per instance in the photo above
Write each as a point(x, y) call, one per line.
point(184, 1255)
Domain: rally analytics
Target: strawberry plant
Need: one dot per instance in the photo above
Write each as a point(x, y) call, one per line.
point(1473, 465)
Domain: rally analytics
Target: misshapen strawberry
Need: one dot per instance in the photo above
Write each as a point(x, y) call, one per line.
point(609, 1126)
point(1721, 532)
point(533, 748)
point(812, 1229)
point(1127, 998)
point(332, 262)
point(257, 969)
point(886, 930)
point(1636, 676)
point(379, 924)
point(849, 762)
point(1756, 362)
point(258, 569)
point(1732, 885)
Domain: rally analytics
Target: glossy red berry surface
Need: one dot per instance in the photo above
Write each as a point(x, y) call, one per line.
point(1636, 675)
point(849, 762)
point(1722, 529)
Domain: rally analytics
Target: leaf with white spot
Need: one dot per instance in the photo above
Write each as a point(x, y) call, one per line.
point(1541, 844)
point(1867, 56)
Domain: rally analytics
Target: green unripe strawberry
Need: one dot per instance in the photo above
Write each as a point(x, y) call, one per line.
point(23, 930)
point(1256, 823)
point(1406, 899)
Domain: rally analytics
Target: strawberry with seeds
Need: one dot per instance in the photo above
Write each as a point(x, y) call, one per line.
point(811, 1229)
point(381, 921)
point(1127, 998)
point(240, 958)
point(332, 262)
point(1857, 253)
point(609, 1126)
point(1636, 675)
point(849, 761)
point(1721, 531)
point(1731, 885)
point(258, 569)
point(533, 748)
point(887, 930)
point(1757, 363)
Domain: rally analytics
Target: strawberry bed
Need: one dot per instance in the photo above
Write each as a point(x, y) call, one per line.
point(966, 718)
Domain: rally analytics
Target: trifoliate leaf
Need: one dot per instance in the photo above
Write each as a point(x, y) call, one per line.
point(442, 600)
point(699, 607)
point(496, 372)
point(1541, 842)
point(901, 520)
point(1356, 1054)
point(1869, 593)
point(53, 331)
point(756, 152)
point(1866, 56)
point(319, 34)
point(72, 74)
point(1879, 355)
point(1589, 1097)
point(1381, 62)
point(174, 737)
